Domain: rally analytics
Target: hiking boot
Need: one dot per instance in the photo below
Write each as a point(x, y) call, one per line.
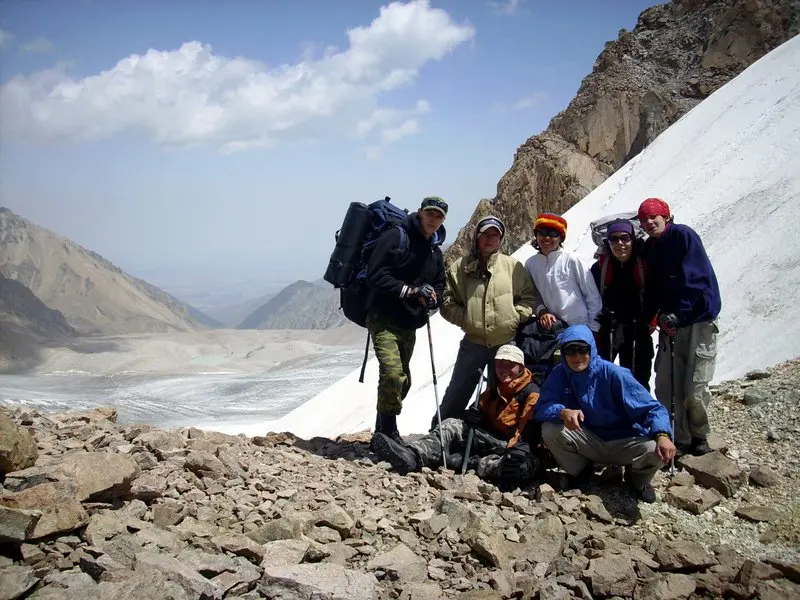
point(454, 461)
point(644, 494)
point(401, 457)
point(681, 449)
point(699, 447)
point(580, 481)
point(387, 425)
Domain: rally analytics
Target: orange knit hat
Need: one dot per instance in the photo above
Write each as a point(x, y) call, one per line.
point(551, 221)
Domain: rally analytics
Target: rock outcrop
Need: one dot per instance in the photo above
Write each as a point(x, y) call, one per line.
point(641, 83)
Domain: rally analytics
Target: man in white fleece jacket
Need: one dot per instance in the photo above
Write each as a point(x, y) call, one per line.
point(565, 284)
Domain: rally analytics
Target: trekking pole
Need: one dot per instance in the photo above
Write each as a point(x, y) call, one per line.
point(472, 429)
point(364, 364)
point(611, 327)
point(634, 333)
point(436, 391)
point(672, 394)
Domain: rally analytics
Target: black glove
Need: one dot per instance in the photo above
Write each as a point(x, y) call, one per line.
point(669, 323)
point(425, 292)
point(516, 468)
point(473, 417)
point(605, 318)
point(429, 294)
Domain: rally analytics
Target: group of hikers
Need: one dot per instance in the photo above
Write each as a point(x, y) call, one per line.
point(543, 336)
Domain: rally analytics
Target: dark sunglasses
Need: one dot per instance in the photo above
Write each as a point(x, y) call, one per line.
point(551, 233)
point(625, 238)
point(575, 349)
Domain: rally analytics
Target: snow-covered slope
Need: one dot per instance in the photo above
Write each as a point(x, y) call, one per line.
point(730, 168)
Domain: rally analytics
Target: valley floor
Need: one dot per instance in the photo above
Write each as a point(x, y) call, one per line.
point(196, 514)
point(216, 350)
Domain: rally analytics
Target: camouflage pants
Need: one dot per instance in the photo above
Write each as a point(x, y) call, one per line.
point(485, 452)
point(393, 347)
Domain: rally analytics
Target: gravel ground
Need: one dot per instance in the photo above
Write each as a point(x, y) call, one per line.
point(763, 432)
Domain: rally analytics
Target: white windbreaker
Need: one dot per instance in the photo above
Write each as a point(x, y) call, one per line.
point(566, 287)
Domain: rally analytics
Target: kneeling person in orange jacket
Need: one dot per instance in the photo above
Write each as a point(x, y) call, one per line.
point(504, 438)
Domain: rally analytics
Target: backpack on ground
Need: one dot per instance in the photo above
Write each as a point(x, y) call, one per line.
point(347, 268)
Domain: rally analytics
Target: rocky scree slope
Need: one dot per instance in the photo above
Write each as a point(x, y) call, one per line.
point(95, 296)
point(641, 83)
point(94, 510)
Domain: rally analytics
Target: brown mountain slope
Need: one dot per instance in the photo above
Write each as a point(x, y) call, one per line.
point(25, 322)
point(300, 305)
point(677, 55)
point(94, 296)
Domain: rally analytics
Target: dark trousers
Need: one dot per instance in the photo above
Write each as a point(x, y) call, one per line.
point(471, 359)
point(626, 335)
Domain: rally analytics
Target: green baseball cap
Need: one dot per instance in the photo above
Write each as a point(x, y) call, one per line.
point(434, 203)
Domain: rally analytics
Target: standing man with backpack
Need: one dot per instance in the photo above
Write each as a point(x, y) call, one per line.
point(619, 274)
point(405, 280)
point(682, 297)
point(488, 295)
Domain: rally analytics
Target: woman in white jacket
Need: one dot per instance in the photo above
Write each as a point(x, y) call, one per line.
point(566, 287)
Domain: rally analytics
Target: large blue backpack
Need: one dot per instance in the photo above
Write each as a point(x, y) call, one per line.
point(347, 268)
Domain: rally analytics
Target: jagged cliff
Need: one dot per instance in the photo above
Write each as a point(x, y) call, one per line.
point(677, 55)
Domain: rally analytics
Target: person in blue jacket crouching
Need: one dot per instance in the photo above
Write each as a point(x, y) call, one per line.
point(593, 411)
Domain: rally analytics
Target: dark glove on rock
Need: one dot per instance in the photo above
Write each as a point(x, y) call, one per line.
point(473, 417)
point(516, 468)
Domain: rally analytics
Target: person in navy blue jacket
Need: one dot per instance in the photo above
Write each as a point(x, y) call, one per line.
point(681, 297)
point(593, 411)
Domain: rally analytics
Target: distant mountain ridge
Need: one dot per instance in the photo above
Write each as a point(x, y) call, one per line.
point(93, 295)
point(300, 305)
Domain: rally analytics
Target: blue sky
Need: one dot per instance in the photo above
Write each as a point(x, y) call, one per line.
point(217, 140)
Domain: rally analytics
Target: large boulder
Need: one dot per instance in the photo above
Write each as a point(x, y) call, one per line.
point(17, 446)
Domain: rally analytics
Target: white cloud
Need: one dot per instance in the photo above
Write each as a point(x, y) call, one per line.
point(521, 104)
point(192, 96)
point(38, 45)
point(509, 7)
point(5, 38)
point(394, 124)
point(528, 102)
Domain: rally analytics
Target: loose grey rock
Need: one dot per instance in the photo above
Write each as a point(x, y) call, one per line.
point(764, 476)
point(757, 513)
point(667, 586)
point(318, 581)
point(15, 580)
point(17, 446)
point(611, 575)
point(692, 499)
point(717, 471)
point(400, 564)
point(683, 555)
point(754, 396)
